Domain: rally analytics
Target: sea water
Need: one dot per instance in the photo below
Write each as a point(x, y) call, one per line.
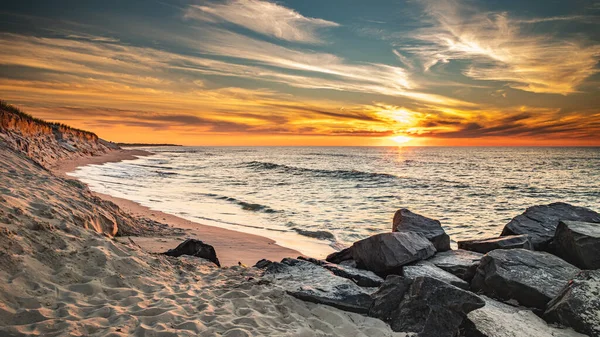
point(315, 198)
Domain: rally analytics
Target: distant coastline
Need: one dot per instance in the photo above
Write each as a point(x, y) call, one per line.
point(143, 144)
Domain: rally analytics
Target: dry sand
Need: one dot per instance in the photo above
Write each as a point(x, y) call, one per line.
point(231, 246)
point(62, 274)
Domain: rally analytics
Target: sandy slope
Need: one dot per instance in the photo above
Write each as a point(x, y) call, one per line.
point(58, 277)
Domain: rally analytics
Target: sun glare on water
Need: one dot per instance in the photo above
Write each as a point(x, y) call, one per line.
point(401, 139)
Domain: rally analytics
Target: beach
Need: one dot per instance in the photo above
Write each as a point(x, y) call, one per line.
point(72, 262)
point(242, 168)
point(314, 198)
point(78, 263)
point(232, 246)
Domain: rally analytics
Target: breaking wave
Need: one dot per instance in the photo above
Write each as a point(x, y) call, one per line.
point(321, 235)
point(342, 174)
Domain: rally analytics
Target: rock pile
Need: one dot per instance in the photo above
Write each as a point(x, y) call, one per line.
point(539, 278)
point(431, 290)
point(540, 222)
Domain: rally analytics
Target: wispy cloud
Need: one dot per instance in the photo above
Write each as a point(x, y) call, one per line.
point(578, 18)
point(264, 17)
point(263, 61)
point(519, 121)
point(319, 70)
point(500, 50)
point(91, 38)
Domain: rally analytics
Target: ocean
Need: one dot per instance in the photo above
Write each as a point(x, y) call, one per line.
point(317, 199)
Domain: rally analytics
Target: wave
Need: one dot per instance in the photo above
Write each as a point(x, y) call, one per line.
point(247, 206)
point(235, 223)
point(342, 174)
point(154, 166)
point(162, 173)
point(321, 235)
point(330, 154)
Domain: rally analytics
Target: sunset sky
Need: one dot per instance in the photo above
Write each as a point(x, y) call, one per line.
point(308, 72)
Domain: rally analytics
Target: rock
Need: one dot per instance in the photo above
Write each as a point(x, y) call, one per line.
point(428, 269)
point(389, 296)
point(531, 278)
point(497, 319)
point(385, 253)
point(540, 222)
point(578, 304)
point(363, 278)
point(461, 263)
point(310, 282)
point(195, 248)
point(348, 263)
point(338, 257)
point(579, 243)
point(407, 221)
point(263, 263)
point(484, 246)
point(433, 308)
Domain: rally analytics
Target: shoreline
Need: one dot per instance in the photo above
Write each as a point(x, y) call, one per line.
point(231, 246)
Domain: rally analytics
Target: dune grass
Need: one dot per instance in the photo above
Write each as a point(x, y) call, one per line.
point(55, 126)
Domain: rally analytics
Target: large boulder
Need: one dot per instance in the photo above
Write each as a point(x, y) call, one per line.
point(460, 263)
point(540, 222)
point(341, 256)
point(310, 282)
point(531, 278)
point(579, 243)
point(578, 304)
point(388, 297)
point(497, 319)
point(361, 277)
point(424, 268)
point(195, 248)
point(485, 246)
point(386, 253)
point(433, 308)
point(407, 221)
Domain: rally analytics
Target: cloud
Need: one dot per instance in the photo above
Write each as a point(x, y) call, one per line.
point(91, 38)
point(152, 68)
point(580, 18)
point(225, 43)
point(190, 80)
point(317, 70)
point(340, 114)
point(513, 122)
point(501, 50)
point(264, 17)
point(521, 122)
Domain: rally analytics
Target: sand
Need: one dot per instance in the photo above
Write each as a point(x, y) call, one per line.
point(62, 273)
point(231, 246)
point(65, 166)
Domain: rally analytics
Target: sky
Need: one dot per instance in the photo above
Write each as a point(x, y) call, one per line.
point(309, 72)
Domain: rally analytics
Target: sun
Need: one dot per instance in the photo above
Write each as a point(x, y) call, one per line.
point(401, 139)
